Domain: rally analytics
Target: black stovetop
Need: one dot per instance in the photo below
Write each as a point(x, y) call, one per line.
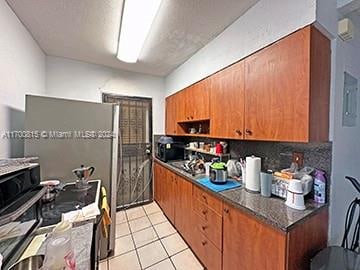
point(69, 199)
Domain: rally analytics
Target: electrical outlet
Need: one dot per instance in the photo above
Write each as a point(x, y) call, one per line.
point(298, 157)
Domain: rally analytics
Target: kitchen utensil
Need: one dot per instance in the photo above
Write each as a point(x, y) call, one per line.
point(218, 173)
point(265, 183)
point(233, 168)
point(83, 173)
point(50, 183)
point(30, 263)
point(193, 145)
point(242, 164)
point(207, 168)
point(219, 148)
point(253, 166)
point(50, 193)
point(280, 185)
point(192, 130)
point(225, 147)
point(207, 147)
point(295, 195)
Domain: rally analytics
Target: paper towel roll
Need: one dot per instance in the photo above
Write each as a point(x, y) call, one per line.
point(253, 168)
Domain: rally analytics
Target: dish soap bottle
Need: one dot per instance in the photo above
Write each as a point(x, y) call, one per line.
point(319, 186)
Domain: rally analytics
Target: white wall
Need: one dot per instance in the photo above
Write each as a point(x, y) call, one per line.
point(82, 81)
point(346, 146)
point(22, 71)
point(263, 24)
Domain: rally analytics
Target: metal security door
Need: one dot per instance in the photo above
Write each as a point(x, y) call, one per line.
point(135, 164)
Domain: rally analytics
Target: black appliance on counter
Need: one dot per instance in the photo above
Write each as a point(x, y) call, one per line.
point(20, 211)
point(168, 150)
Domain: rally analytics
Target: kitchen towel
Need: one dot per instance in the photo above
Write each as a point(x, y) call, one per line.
point(106, 220)
point(253, 167)
point(218, 188)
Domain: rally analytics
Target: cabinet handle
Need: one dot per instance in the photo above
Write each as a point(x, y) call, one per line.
point(191, 117)
point(204, 197)
point(248, 132)
point(238, 132)
point(204, 212)
point(203, 228)
point(226, 211)
point(204, 243)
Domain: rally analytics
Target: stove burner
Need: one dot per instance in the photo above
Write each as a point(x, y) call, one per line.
point(69, 199)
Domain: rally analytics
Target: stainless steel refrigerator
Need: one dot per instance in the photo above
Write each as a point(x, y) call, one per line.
point(83, 123)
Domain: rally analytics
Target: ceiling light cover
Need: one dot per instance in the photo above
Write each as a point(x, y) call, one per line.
point(138, 16)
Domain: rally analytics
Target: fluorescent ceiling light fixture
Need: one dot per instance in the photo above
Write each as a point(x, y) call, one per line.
point(138, 15)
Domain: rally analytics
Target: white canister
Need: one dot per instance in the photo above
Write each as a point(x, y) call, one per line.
point(207, 168)
point(253, 168)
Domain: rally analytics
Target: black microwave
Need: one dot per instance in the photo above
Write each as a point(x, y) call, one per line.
point(20, 211)
point(170, 151)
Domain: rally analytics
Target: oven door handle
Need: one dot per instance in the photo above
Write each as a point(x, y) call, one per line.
point(18, 212)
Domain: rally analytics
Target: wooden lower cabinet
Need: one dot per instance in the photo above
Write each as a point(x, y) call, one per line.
point(206, 251)
point(164, 189)
point(182, 196)
point(207, 234)
point(158, 183)
point(226, 238)
point(168, 195)
point(249, 244)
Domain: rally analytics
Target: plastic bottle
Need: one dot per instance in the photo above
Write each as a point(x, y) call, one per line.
point(319, 186)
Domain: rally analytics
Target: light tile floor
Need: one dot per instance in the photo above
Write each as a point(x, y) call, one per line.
point(145, 239)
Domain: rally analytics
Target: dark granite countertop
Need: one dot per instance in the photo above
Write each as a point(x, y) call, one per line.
point(272, 211)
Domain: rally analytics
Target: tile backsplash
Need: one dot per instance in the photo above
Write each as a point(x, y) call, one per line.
point(276, 155)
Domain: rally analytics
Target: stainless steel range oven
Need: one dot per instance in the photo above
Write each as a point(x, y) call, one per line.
point(20, 211)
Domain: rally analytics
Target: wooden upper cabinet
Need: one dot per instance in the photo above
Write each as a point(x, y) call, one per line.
point(287, 88)
point(170, 115)
point(227, 102)
point(180, 101)
point(196, 100)
point(249, 244)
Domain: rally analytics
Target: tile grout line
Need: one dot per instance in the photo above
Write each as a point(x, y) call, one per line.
point(158, 239)
point(132, 237)
point(163, 237)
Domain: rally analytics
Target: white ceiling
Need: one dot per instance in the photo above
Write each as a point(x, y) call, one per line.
point(87, 30)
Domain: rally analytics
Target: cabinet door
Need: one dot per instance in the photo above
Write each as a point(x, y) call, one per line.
point(277, 90)
point(183, 213)
point(249, 244)
point(200, 100)
point(168, 194)
point(197, 101)
point(157, 184)
point(227, 102)
point(170, 115)
point(180, 101)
